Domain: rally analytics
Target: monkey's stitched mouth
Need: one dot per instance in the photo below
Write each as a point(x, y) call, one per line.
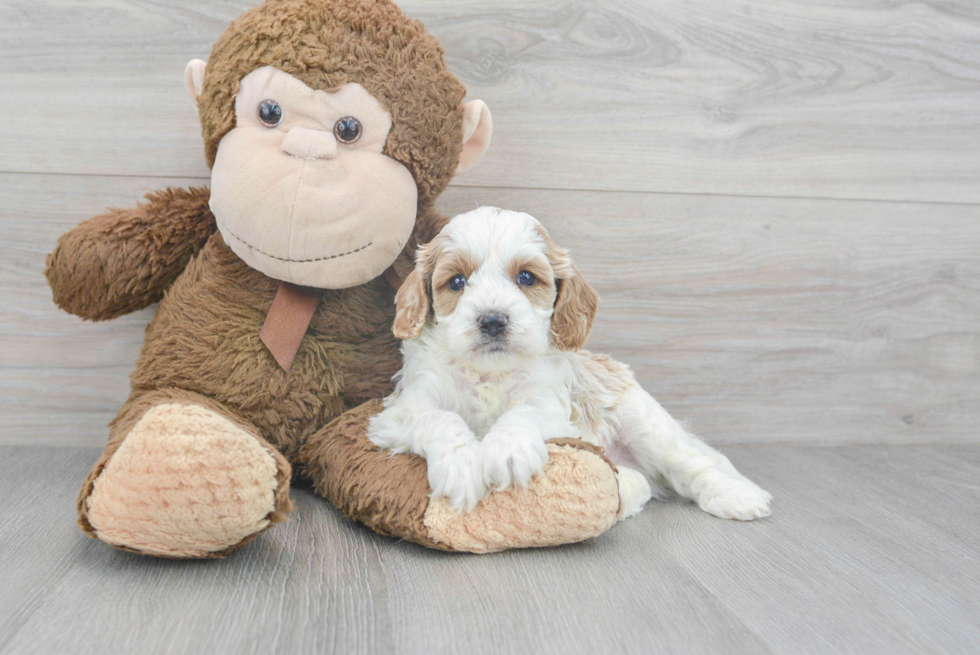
point(301, 261)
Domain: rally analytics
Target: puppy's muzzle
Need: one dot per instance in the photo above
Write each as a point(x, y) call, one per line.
point(493, 324)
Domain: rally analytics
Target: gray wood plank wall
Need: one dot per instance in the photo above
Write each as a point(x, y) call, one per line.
point(779, 202)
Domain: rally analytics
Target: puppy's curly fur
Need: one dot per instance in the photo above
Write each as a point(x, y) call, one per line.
point(494, 317)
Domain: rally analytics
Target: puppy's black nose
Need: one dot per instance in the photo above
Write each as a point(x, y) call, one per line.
point(493, 324)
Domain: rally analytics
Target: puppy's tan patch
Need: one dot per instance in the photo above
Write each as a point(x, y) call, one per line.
point(558, 257)
point(542, 293)
point(602, 383)
point(450, 263)
point(413, 298)
point(576, 303)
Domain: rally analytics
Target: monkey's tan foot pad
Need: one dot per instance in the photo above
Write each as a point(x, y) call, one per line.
point(185, 483)
point(575, 498)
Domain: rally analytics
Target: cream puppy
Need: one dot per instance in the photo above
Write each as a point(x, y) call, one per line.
point(494, 317)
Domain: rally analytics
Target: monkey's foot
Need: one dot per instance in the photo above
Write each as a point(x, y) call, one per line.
point(575, 497)
point(186, 482)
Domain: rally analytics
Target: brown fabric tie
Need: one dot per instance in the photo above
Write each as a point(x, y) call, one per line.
point(394, 279)
point(288, 319)
point(290, 315)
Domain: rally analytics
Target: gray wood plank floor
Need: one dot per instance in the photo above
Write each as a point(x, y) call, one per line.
point(869, 550)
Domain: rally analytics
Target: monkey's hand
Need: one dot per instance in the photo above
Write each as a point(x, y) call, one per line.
point(123, 260)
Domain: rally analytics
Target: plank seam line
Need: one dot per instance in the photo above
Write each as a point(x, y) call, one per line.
point(726, 195)
point(710, 194)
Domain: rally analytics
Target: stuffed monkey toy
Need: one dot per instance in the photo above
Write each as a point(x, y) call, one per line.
point(330, 127)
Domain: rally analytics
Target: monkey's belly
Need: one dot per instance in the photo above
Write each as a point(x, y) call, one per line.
point(205, 338)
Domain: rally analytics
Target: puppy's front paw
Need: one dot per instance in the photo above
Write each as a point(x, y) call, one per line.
point(512, 459)
point(732, 498)
point(390, 430)
point(458, 475)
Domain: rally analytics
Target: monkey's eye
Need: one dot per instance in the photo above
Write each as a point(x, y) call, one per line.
point(270, 113)
point(347, 130)
point(457, 283)
point(526, 279)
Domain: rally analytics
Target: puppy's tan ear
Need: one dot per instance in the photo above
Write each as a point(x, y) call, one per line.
point(575, 309)
point(412, 300)
point(577, 302)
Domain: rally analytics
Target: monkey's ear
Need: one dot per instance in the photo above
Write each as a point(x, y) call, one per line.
point(477, 128)
point(194, 78)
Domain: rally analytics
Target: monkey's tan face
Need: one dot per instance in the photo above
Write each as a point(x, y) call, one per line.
point(300, 188)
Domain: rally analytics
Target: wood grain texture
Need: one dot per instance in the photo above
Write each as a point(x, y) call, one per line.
point(670, 145)
point(61, 378)
point(869, 550)
point(793, 98)
point(759, 320)
point(766, 320)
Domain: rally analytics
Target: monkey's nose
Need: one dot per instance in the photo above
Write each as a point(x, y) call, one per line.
point(493, 324)
point(310, 144)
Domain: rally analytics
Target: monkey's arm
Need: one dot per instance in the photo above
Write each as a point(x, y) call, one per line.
point(124, 259)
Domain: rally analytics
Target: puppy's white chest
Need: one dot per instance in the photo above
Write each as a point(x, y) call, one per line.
point(488, 397)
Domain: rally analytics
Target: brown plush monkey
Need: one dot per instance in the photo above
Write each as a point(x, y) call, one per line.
point(331, 127)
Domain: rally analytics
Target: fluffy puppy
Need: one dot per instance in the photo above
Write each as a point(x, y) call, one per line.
point(494, 317)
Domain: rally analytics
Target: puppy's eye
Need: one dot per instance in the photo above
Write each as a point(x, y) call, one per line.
point(457, 283)
point(347, 130)
point(526, 279)
point(270, 113)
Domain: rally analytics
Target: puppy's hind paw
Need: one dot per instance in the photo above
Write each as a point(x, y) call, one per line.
point(736, 499)
point(634, 492)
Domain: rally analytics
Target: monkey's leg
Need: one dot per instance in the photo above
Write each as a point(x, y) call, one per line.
point(575, 498)
point(183, 477)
